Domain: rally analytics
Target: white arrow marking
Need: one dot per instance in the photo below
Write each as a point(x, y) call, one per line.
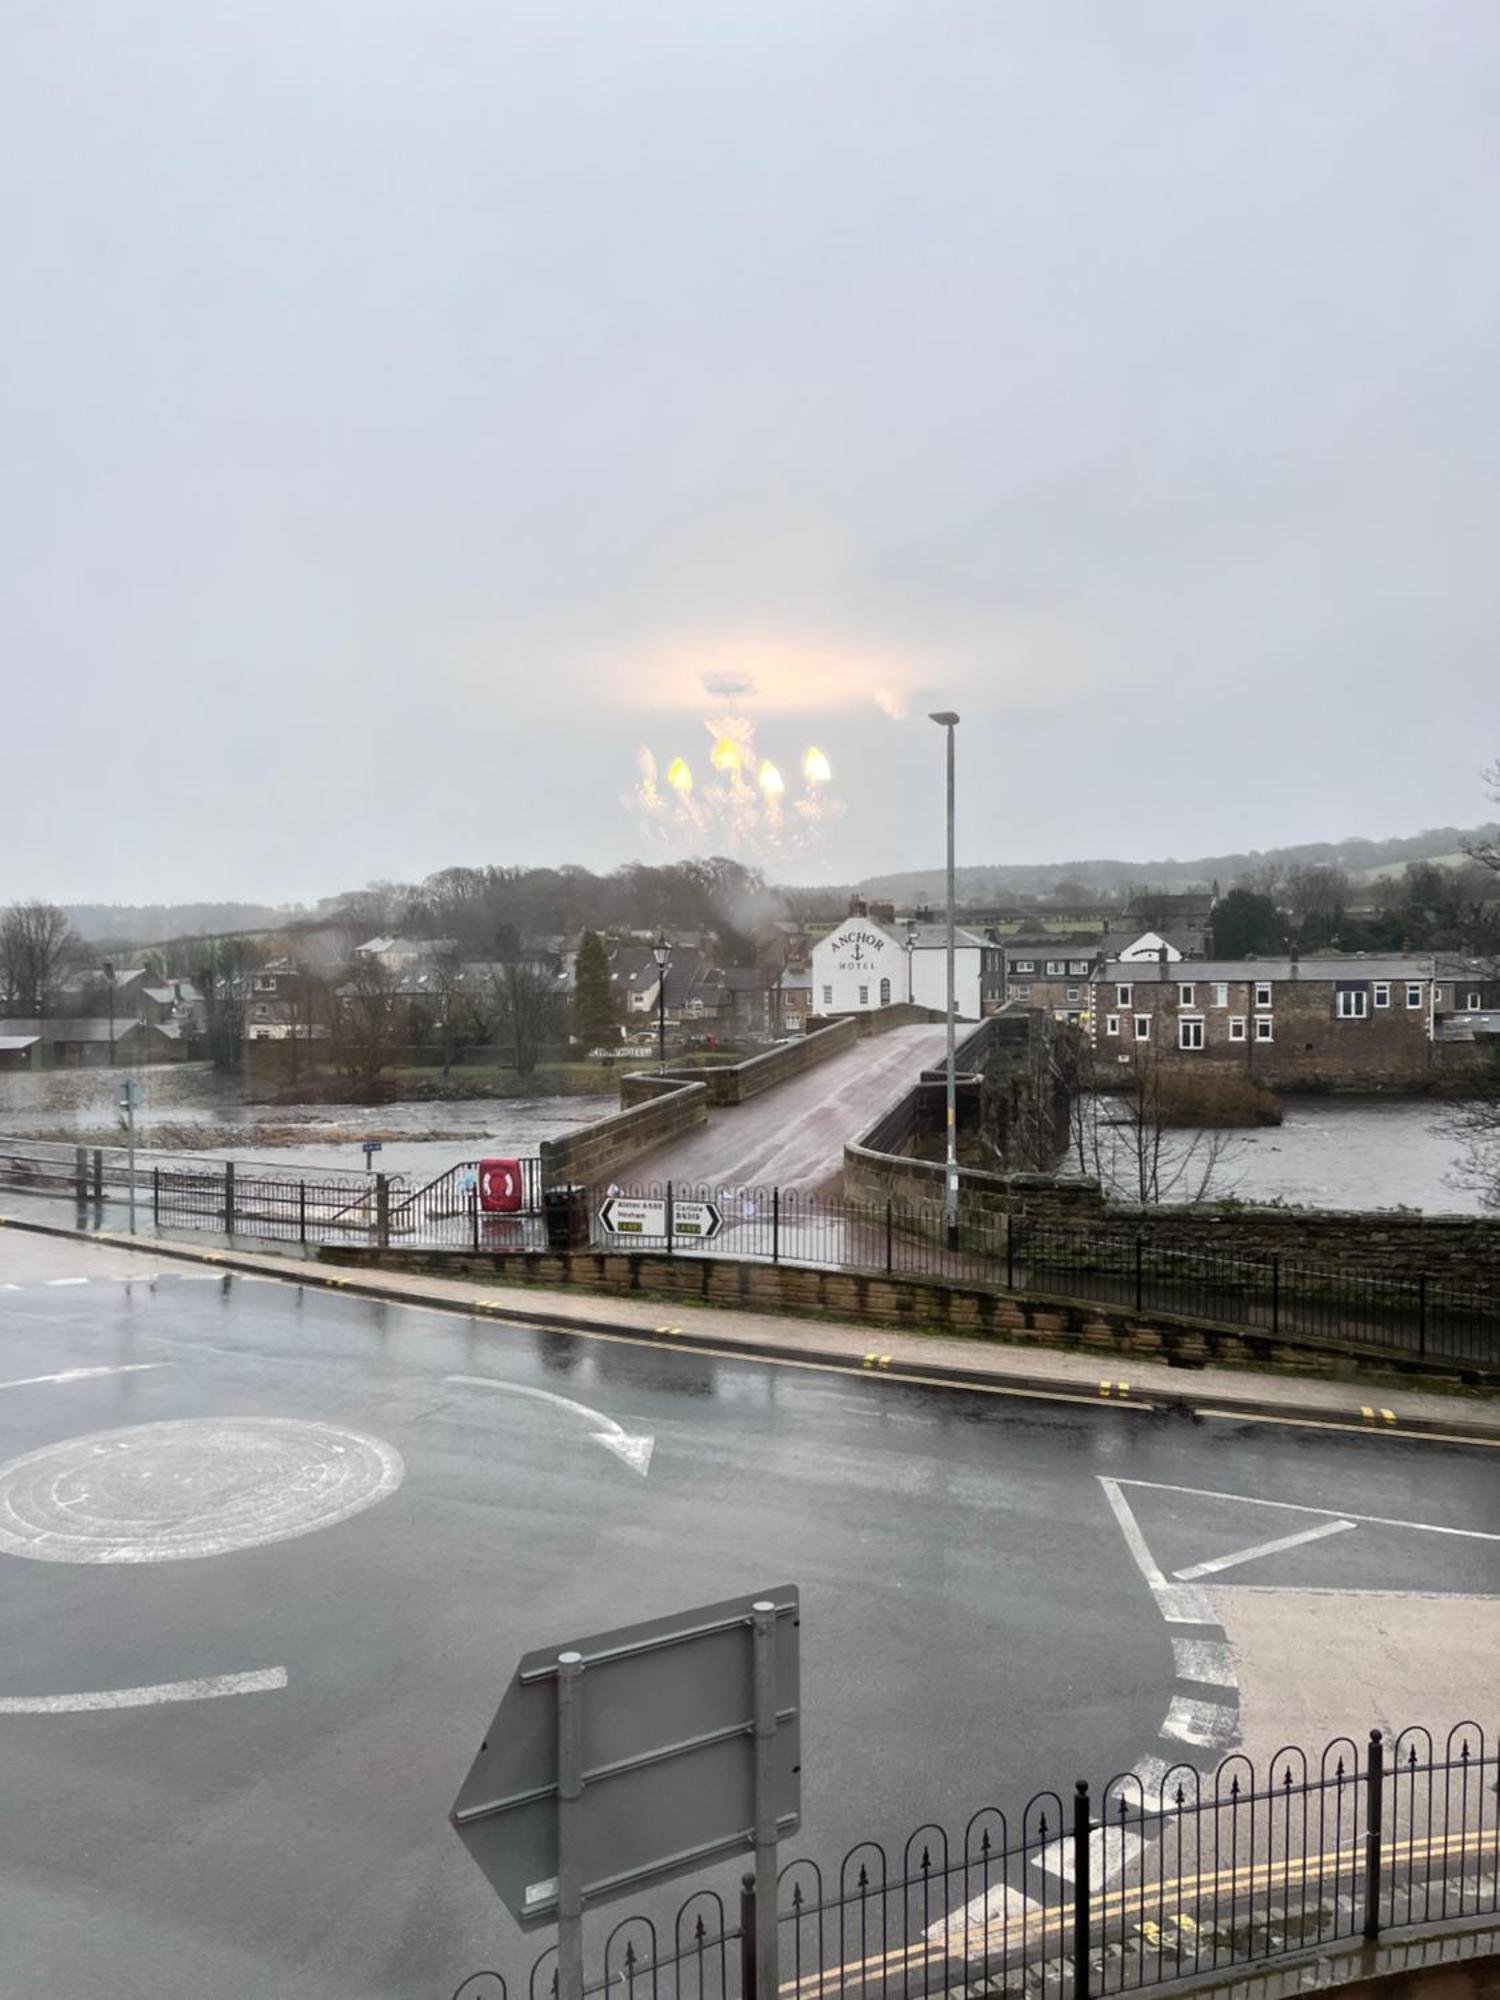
point(634, 1451)
point(1263, 1549)
point(265, 1680)
point(81, 1374)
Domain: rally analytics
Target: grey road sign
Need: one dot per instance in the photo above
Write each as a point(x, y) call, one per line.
point(624, 1215)
point(639, 1755)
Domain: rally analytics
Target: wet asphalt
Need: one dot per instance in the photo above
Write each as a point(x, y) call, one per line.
point(974, 1627)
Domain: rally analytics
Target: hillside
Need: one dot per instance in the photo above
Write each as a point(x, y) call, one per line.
point(1362, 859)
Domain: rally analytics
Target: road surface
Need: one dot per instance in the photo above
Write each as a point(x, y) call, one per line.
point(267, 1556)
point(793, 1137)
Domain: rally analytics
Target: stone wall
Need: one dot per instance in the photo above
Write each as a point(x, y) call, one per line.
point(921, 1305)
point(734, 1083)
point(597, 1153)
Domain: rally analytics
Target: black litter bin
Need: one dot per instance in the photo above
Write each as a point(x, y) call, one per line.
point(567, 1213)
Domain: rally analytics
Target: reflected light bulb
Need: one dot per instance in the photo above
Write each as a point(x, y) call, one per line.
point(679, 777)
point(725, 755)
point(771, 781)
point(816, 768)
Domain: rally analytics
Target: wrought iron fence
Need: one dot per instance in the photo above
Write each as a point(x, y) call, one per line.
point(1107, 1894)
point(1283, 1297)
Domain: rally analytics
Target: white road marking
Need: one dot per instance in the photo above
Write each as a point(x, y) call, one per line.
point(634, 1451)
point(65, 1281)
point(1335, 1590)
point(1000, 1904)
point(1294, 1507)
point(1208, 1724)
point(1260, 1549)
point(265, 1680)
point(167, 1491)
point(1151, 1774)
point(1111, 1849)
point(81, 1374)
point(1178, 1604)
point(1206, 1660)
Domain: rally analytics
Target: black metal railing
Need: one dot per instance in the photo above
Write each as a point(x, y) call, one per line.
point(1108, 1893)
point(1286, 1298)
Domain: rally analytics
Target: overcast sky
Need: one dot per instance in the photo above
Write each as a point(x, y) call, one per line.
point(413, 411)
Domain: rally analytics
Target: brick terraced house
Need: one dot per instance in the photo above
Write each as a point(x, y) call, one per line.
point(1357, 1022)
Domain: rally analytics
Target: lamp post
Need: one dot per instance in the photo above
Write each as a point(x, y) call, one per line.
point(946, 719)
point(661, 951)
point(109, 975)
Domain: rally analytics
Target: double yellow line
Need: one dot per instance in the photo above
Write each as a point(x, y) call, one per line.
point(1033, 1928)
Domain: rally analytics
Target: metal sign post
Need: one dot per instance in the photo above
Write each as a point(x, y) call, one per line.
point(127, 1098)
point(637, 1756)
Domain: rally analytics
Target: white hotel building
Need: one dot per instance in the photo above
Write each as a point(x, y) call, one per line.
point(864, 965)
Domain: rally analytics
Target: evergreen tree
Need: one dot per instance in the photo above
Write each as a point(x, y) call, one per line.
point(593, 1002)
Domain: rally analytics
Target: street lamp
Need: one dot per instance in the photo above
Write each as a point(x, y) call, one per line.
point(109, 974)
point(946, 719)
point(661, 951)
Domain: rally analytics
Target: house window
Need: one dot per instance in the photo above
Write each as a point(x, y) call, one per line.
point(1111, 1024)
point(1078, 965)
point(1184, 996)
point(1413, 994)
point(1023, 992)
point(1122, 996)
point(1190, 1032)
point(1221, 992)
point(1474, 1002)
point(1072, 996)
point(1263, 1027)
point(1352, 1006)
point(885, 993)
point(1025, 965)
point(1143, 1027)
point(1236, 1027)
point(1439, 996)
point(864, 996)
point(1263, 999)
point(827, 996)
point(1382, 994)
point(267, 985)
point(1055, 967)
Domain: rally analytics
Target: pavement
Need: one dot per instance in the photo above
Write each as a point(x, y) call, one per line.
point(269, 1548)
point(793, 1137)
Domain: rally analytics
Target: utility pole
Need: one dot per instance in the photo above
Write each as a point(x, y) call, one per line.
point(947, 720)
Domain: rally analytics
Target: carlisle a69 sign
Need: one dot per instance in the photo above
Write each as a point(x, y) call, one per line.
point(623, 1215)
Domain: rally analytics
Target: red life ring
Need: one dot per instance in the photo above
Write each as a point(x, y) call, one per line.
point(500, 1189)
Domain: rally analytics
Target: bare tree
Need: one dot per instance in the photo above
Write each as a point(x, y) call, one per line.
point(447, 983)
point(37, 945)
point(369, 1022)
point(1133, 1144)
point(1476, 1122)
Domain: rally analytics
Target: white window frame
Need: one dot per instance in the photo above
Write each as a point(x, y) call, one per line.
point(1122, 996)
point(1021, 992)
point(885, 993)
point(1191, 1034)
point(864, 996)
point(1473, 1003)
point(1263, 993)
point(1072, 996)
point(1264, 1028)
point(1382, 993)
point(1055, 968)
point(827, 996)
point(1024, 965)
point(1184, 996)
point(1356, 1009)
point(1111, 1024)
point(1413, 993)
point(1221, 992)
point(1078, 966)
point(1237, 1025)
point(1143, 1027)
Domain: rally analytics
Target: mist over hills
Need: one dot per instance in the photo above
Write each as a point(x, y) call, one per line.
point(998, 881)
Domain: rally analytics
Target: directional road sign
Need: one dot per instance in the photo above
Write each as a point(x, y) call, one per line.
point(639, 1755)
point(623, 1215)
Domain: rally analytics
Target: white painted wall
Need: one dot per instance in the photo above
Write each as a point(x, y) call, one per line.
point(849, 965)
